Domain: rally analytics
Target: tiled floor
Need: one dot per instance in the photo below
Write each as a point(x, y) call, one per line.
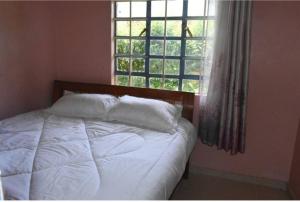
point(205, 187)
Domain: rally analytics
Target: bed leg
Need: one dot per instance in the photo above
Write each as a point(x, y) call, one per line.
point(186, 171)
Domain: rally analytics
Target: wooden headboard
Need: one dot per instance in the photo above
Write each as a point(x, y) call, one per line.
point(174, 97)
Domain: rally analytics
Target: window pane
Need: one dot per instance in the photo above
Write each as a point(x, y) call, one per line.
point(157, 28)
point(156, 66)
point(155, 82)
point(122, 80)
point(174, 28)
point(138, 47)
point(123, 9)
point(138, 9)
point(212, 8)
point(123, 64)
point(171, 84)
point(209, 48)
point(156, 47)
point(210, 28)
point(173, 47)
point(204, 86)
point(190, 85)
point(158, 8)
point(172, 67)
point(175, 8)
point(137, 27)
point(196, 27)
point(192, 67)
point(194, 47)
point(138, 65)
point(122, 46)
point(207, 70)
point(138, 81)
point(123, 28)
point(196, 7)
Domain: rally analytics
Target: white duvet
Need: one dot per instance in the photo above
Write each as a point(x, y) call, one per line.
point(43, 156)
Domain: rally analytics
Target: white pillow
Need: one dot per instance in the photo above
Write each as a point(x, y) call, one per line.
point(67, 92)
point(149, 113)
point(83, 105)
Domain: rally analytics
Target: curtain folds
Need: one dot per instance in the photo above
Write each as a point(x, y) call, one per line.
point(223, 117)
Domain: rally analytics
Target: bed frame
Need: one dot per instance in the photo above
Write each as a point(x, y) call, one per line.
point(175, 97)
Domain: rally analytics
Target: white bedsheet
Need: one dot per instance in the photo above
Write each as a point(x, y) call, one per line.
point(43, 156)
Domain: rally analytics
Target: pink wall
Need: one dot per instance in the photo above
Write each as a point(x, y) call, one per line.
point(26, 57)
point(274, 95)
point(81, 47)
point(294, 181)
point(43, 41)
point(83, 42)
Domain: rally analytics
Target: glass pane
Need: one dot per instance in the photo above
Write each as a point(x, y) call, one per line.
point(138, 65)
point(175, 8)
point(138, 9)
point(122, 28)
point(137, 27)
point(204, 86)
point(123, 9)
point(155, 82)
point(212, 8)
point(192, 67)
point(156, 66)
point(122, 46)
point(172, 67)
point(196, 7)
point(194, 47)
point(122, 80)
point(209, 48)
point(210, 28)
point(173, 47)
point(138, 81)
point(156, 47)
point(196, 27)
point(123, 64)
point(207, 70)
point(171, 84)
point(190, 85)
point(157, 28)
point(173, 28)
point(158, 8)
point(138, 47)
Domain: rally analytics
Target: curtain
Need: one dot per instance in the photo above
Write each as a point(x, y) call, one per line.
point(223, 117)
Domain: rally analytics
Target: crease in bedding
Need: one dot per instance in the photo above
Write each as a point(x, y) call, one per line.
point(154, 166)
point(34, 155)
point(44, 156)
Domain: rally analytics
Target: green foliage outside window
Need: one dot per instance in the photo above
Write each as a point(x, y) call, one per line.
point(173, 48)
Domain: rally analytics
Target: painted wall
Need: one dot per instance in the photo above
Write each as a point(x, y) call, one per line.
point(294, 181)
point(26, 57)
point(274, 95)
point(83, 41)
point(43, 41)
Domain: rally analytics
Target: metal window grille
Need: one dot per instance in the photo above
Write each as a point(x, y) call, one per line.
point(158, 58)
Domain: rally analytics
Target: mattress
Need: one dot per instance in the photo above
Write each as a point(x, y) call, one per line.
point(43, 156)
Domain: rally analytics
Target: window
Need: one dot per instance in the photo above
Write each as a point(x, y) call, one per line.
point(161, 43)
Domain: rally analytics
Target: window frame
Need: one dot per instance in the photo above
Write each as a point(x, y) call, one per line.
point(147, 56)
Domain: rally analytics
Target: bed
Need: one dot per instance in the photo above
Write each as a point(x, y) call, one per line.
point(45, 156)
